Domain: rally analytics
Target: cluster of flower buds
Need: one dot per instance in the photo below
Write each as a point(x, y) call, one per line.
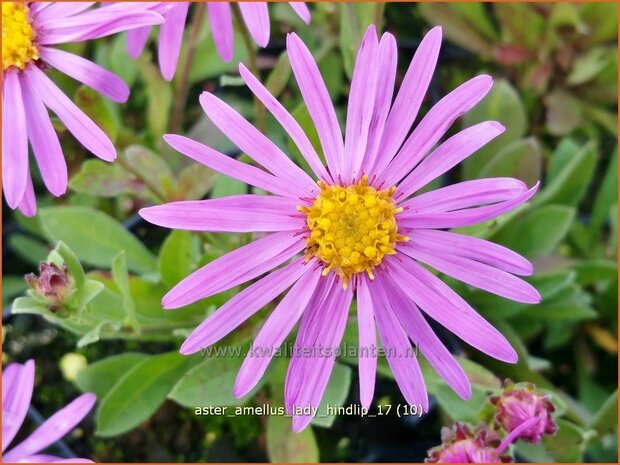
point(54, 285)
point(520, 412)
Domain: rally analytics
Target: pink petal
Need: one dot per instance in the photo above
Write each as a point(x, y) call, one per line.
point(17, 386)
point(361, 103)
point(449, 154)
point(28, 204)
point(256, 18)
point(44, 142)
point(170, 38)
point(467, 217)
point(477, 274)
point(398, 351)
point(320, 334)
point(220, 19)
point(286, 120)
point(464, 195)
point(14, 140)
point(59, 10)
point(244, 213)
point(231, 167)
point(234, 268)
point(302, 10)
point(427, 341)
point(367, 357)
point(80, 125)
point(387, 61)
point(254, 143)
point(410, 95)
point(53, 428)
point(275, 330)
point(446, 307)
point(434, 125)
point(136, 41)
point(449, 244)
point(87, 72)
point(243, 305)
point(318, 102)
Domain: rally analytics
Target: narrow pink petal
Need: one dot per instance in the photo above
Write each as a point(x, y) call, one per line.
point(449, 154)
point(17, 386)
point(434, 125)
point(448, 244)
point(426, 340)
point(477, 274)
point(80, 125)
point(37, 7)
point(361, 104)
point(318, 102)
point(398, 351)
point(254, 143)
point(275, 330)
point(243, 305)
point(44, 142)
point(59, 10)
point(367, 356)
point(302, 10)
point(28, 204)
point(170, 38)
point(256, 18)
point(320, 334)
point(387, 61)
point(244, 213)
point(410, 95)
point(220, 19)
point(464, 195)
point(87, 72)
point(467, 217)
point(231, 167)
point(286, 120)
point(446, 307)
point(136, 41)
point(14, 140)
point(234, 268)
point(42, 458)
point(53, 428)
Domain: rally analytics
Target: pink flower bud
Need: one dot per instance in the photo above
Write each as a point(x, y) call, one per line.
point(462, 445)
point(54, 285)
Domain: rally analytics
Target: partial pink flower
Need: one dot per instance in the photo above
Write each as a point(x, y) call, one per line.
point(30, 33)
point(17, 387)
point(519, 403)
point(54, 285)
point(362, 229)
point(255, 15)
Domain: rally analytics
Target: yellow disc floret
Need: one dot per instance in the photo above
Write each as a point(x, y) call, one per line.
point(18, 46)
point(352, 228)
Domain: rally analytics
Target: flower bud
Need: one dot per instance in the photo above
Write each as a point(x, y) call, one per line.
point(519, 403)
point(54, 285)
point(462, 445)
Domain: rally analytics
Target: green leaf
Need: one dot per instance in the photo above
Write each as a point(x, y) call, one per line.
point(148, 167)
point(95, 237)
point(353, 20)
point(103, 179)
point(302, 116)
point(334, 396)
point(567, 444)
point(571, 183)
point(279, 76)
point(194, 181)
point(73, 263)
point(159, 96)
point(121, 278)
point(286, 446)
point(12, 286)
point(520, 23)
point(92, 103)
point(538, 232)
point(564, 112)
point(594, 271)
point(85, 293)
point(31, 250)
point(457, 408)
point(521, 159)
point(101, 376)
point(502, 104)
point(607, 194)
point(606, 419)
point(225, 186)
point(177, 258)
point(139, 393)
point(589, 64)
point(119, 61)
point(94, 334)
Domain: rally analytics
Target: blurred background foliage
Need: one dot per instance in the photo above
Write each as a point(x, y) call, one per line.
point(555, 70)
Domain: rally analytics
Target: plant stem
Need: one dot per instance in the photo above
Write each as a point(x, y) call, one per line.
point(251, 49)
point(176, 120)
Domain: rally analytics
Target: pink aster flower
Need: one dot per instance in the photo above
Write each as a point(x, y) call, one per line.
point(255, 15)
point(363, 231)
point(30, 32)
point(17, 386)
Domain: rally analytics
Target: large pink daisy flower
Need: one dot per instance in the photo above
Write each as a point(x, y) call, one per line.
point(30, 31)
point(360, 227)
point(255, 15)
point(17, 387)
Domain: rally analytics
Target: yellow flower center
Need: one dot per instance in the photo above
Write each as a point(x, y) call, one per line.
point(352, 228)
point(18, 47)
